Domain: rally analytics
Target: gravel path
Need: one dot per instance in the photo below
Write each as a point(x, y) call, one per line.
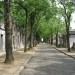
point(49, 61)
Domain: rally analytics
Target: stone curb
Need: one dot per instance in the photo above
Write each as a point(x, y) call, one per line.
point(22, 67)
point(19, 70)
point(63, 52)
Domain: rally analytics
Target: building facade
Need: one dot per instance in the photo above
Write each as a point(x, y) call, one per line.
point(17, 38)
point(2, 37)
point(72, 37)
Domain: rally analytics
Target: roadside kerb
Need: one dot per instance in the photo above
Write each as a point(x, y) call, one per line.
point(21, 59)
point(22, 67)
point(63, 52)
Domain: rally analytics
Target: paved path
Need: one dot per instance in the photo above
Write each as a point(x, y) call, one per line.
point(49, 61)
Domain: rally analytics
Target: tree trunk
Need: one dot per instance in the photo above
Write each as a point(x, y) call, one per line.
point(25, 47)
point(8, 31)
point(33, 42)
point(57, 39)
point(64, 41)
point(32, 18)
point(34, 35)
point(34, 38)
point(34, 31)
point(68, 43)
point(31, 32)
point(31, 38)
point(67, 21)
point(67, 35)
point(51, 39)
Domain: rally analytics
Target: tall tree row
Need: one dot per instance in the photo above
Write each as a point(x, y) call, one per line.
point(25, 19)
point(35, 19)
point(68, 9)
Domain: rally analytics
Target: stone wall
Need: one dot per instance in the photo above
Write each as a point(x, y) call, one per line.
point(72, 40)
point(17, 38)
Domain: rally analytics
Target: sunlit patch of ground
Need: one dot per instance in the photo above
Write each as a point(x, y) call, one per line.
point(20, 58)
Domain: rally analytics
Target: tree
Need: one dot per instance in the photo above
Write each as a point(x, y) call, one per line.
point(32, 20)
point(68, 9)
point(21, 4)
point(8, 31)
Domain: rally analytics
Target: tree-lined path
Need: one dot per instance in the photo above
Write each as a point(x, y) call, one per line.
point(49, 61)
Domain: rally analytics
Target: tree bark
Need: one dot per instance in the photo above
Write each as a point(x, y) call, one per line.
point(31, 31)
point(51, 39)
point(64, 41)
point(68, 43)
point(35, 40)
point(8, 31)
point(25, 46)
point(57, 39)
point(31, 37)
point(32, 18)
point(67, 35)
point(34, 37)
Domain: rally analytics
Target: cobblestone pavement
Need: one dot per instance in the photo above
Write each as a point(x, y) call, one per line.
point(49, 61)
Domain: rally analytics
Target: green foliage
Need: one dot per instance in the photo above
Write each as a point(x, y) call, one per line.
point(18, 15)
point(46, 22)
point(1, 10)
